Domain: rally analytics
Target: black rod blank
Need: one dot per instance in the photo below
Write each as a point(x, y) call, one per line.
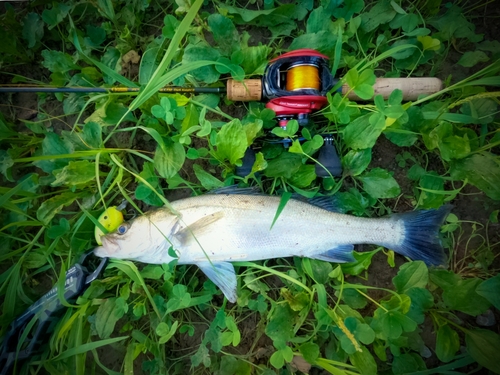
point(168, 89)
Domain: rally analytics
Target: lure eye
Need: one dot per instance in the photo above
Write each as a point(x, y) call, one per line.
point(122, 229)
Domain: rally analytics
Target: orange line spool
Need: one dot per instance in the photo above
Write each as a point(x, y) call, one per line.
point(302, 76)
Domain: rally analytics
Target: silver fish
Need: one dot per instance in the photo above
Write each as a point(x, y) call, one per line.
point(213, 230)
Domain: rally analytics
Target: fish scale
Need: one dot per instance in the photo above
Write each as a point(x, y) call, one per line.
point(214, 230)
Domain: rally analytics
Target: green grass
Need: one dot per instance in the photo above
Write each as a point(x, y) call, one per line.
point(141, 147)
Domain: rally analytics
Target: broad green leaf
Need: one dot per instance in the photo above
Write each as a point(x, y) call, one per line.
point(112, 60)
point(471, 58)
point(322, 41)
point(363, 132)
point(349, 8)
point(410, 275)
point(247, 15)
point(379, 14)
point(363, 261)
point(144, 192)
point(463, 297)
point(169, 160)
point(318, 270)
point(444, 279)
point(481, 111)
point(75, 173)
point(231, 142)
point(92, 134)
point(362, 84)
point(280, 326)
point(202, 355)
point(408, 22)
point(353, 299)
point(252, 129)
point(52, 17)
point(421, 301)
point(108, 314)
point(310, 351)
point(167, 336)
point(429, 43)
point(5, 163)
point(192, 118)
point(207, 74)
point(481, 170)
point(363, 361)
point(303, 177)
point(378, 183)
point(96, 35)
point(356, 161)
point(106, 9)
point(148, 64)
point(285, 165)
point(317, 21)
point(296, 301)
point(352, 201)
point(407, 363)
point(454, 25)
point(224, 32)
point(208, 181)
point(32, 29)
point(260, 163)
point(58, 62)
point(490, 289)
point(171, 24)
point(393, 323)
point(484, 346)
point(432, 184)
point(50, 207)
point(179, 298)
point(447, 343)
point(232, 365)
point(255, 59)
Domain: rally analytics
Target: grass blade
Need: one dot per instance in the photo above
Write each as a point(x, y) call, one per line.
point(88, 347)
point(283, 201)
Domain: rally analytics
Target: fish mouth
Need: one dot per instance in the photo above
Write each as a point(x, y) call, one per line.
point(108, 249)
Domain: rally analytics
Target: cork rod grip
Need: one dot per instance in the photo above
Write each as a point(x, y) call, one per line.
point(411, 87)
point(247, 90)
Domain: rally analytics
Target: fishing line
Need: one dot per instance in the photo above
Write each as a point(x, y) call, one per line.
point(303, 76)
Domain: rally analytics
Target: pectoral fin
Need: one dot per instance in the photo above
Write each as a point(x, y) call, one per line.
point(339, 254)
point(222, 274)
point(197, 228)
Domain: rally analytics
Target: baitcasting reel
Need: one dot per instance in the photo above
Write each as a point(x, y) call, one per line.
point(296, 84)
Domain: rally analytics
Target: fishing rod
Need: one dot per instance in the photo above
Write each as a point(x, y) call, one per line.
point(294, 85)
point(168, 89)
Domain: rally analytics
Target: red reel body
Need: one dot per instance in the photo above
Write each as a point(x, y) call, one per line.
point(296, 84)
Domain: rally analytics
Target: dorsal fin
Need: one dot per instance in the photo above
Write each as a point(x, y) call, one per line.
point(235, 190)
point(324, 201)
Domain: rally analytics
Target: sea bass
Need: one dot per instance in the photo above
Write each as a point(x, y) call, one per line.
point(213, 230)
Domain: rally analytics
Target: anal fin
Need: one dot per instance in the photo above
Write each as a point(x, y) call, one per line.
point(339, 254)
point(223, 275)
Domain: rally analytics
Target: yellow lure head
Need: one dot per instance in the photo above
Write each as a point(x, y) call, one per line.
point(111, 220)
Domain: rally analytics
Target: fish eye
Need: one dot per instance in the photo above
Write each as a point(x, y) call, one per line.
point(122, 229)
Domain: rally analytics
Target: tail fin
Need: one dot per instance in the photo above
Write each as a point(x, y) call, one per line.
point(422, 240)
